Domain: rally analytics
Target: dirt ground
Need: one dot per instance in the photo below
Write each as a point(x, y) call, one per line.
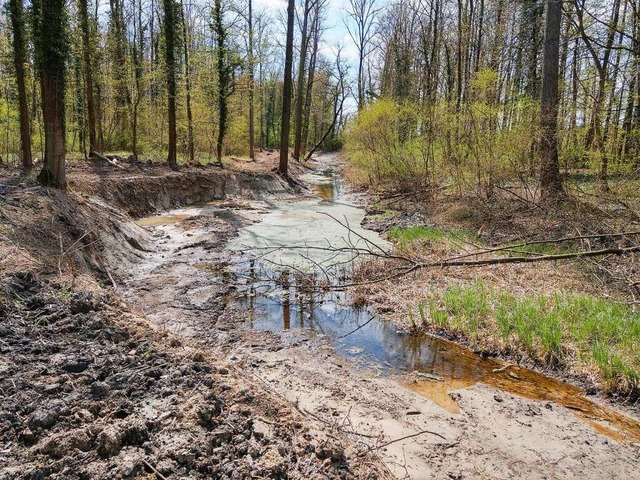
point(120, 359)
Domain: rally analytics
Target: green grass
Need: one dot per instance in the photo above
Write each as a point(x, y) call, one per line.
point(560, 329)
point(542, 249)
point(404, 236)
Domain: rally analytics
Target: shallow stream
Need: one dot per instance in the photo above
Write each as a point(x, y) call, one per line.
point(285, 263)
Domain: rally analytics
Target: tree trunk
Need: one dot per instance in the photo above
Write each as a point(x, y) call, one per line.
point(16, 11)
point(304, 43)
point(123, 99)
point(170, 49)
point(187, 79)
point(224, 79)
point(252, 154)
point(550, 181)
point(51, 52)
point(94, 144)
point(315, 31)
point(286, 93)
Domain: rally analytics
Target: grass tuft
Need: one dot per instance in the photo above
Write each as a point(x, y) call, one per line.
point(404, 236)
point(558, 329)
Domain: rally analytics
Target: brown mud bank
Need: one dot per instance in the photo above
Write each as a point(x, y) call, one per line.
point(91, 388)
point(144, 193)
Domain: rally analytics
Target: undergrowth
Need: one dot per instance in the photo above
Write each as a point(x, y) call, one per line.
point(562, 329)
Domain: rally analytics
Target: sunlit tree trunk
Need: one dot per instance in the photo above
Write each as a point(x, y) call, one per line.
point(16, 12)
point(283, 166)
point(224, 77)
point(187, 84)
point(50, 39)
point(170, 65)
point(304, 44)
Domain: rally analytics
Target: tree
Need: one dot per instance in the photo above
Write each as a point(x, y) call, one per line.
point(286, 93)
point(83, 13)
point(363, 13)
point(315, 33)
point(251, 66)
point(16, 10)
point(595, 136)
point(170, 26)
point(224, 76)
point(187, 74)
point(117, 34)
point(550, 181)
point(51, 48)
point(304, 43)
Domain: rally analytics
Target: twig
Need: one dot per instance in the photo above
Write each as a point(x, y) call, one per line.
point(154, 470)
point(386, 444)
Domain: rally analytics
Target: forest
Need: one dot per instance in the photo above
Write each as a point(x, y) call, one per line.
point(343, 239)
point(460, 81)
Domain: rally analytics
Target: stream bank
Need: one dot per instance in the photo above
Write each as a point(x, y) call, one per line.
point(429, 408)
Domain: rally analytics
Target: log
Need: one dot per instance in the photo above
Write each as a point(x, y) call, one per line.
point(106, 159)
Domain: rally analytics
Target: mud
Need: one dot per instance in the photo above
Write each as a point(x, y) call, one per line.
point(149, 192)
point(84, 396)
point(155, 371)
point(91, 388)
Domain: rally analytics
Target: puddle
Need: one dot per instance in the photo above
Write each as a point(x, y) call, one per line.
point(160, 220)
point(312, 234)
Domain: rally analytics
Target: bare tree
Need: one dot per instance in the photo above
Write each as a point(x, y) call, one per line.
point(363, 14)
point(304, 44)
point(251, 66)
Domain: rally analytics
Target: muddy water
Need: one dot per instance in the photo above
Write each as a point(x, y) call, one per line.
point(282, 265)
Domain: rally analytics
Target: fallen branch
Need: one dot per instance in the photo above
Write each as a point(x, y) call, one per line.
point(106, 159)
point(547, 242)
point(542, 258)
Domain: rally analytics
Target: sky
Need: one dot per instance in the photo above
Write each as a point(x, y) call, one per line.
point(335, 29)
point(335, 33)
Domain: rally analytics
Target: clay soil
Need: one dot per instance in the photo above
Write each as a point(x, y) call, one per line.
point(121, 359)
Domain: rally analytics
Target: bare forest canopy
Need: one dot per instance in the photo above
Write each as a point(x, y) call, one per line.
point(481, 91)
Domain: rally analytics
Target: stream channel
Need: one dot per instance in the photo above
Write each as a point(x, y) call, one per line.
point(284, 265)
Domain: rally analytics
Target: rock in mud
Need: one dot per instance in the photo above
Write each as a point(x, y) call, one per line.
point(65, 443)
point(271, 461)
point(73, 364)
point(100, 389)
point(85, 302)
point(109, 442)
point(43, 418)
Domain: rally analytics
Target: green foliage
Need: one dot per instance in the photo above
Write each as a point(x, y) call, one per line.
point(404, 236)
point(557, 328)
point(384, 143)
point(393, 143)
